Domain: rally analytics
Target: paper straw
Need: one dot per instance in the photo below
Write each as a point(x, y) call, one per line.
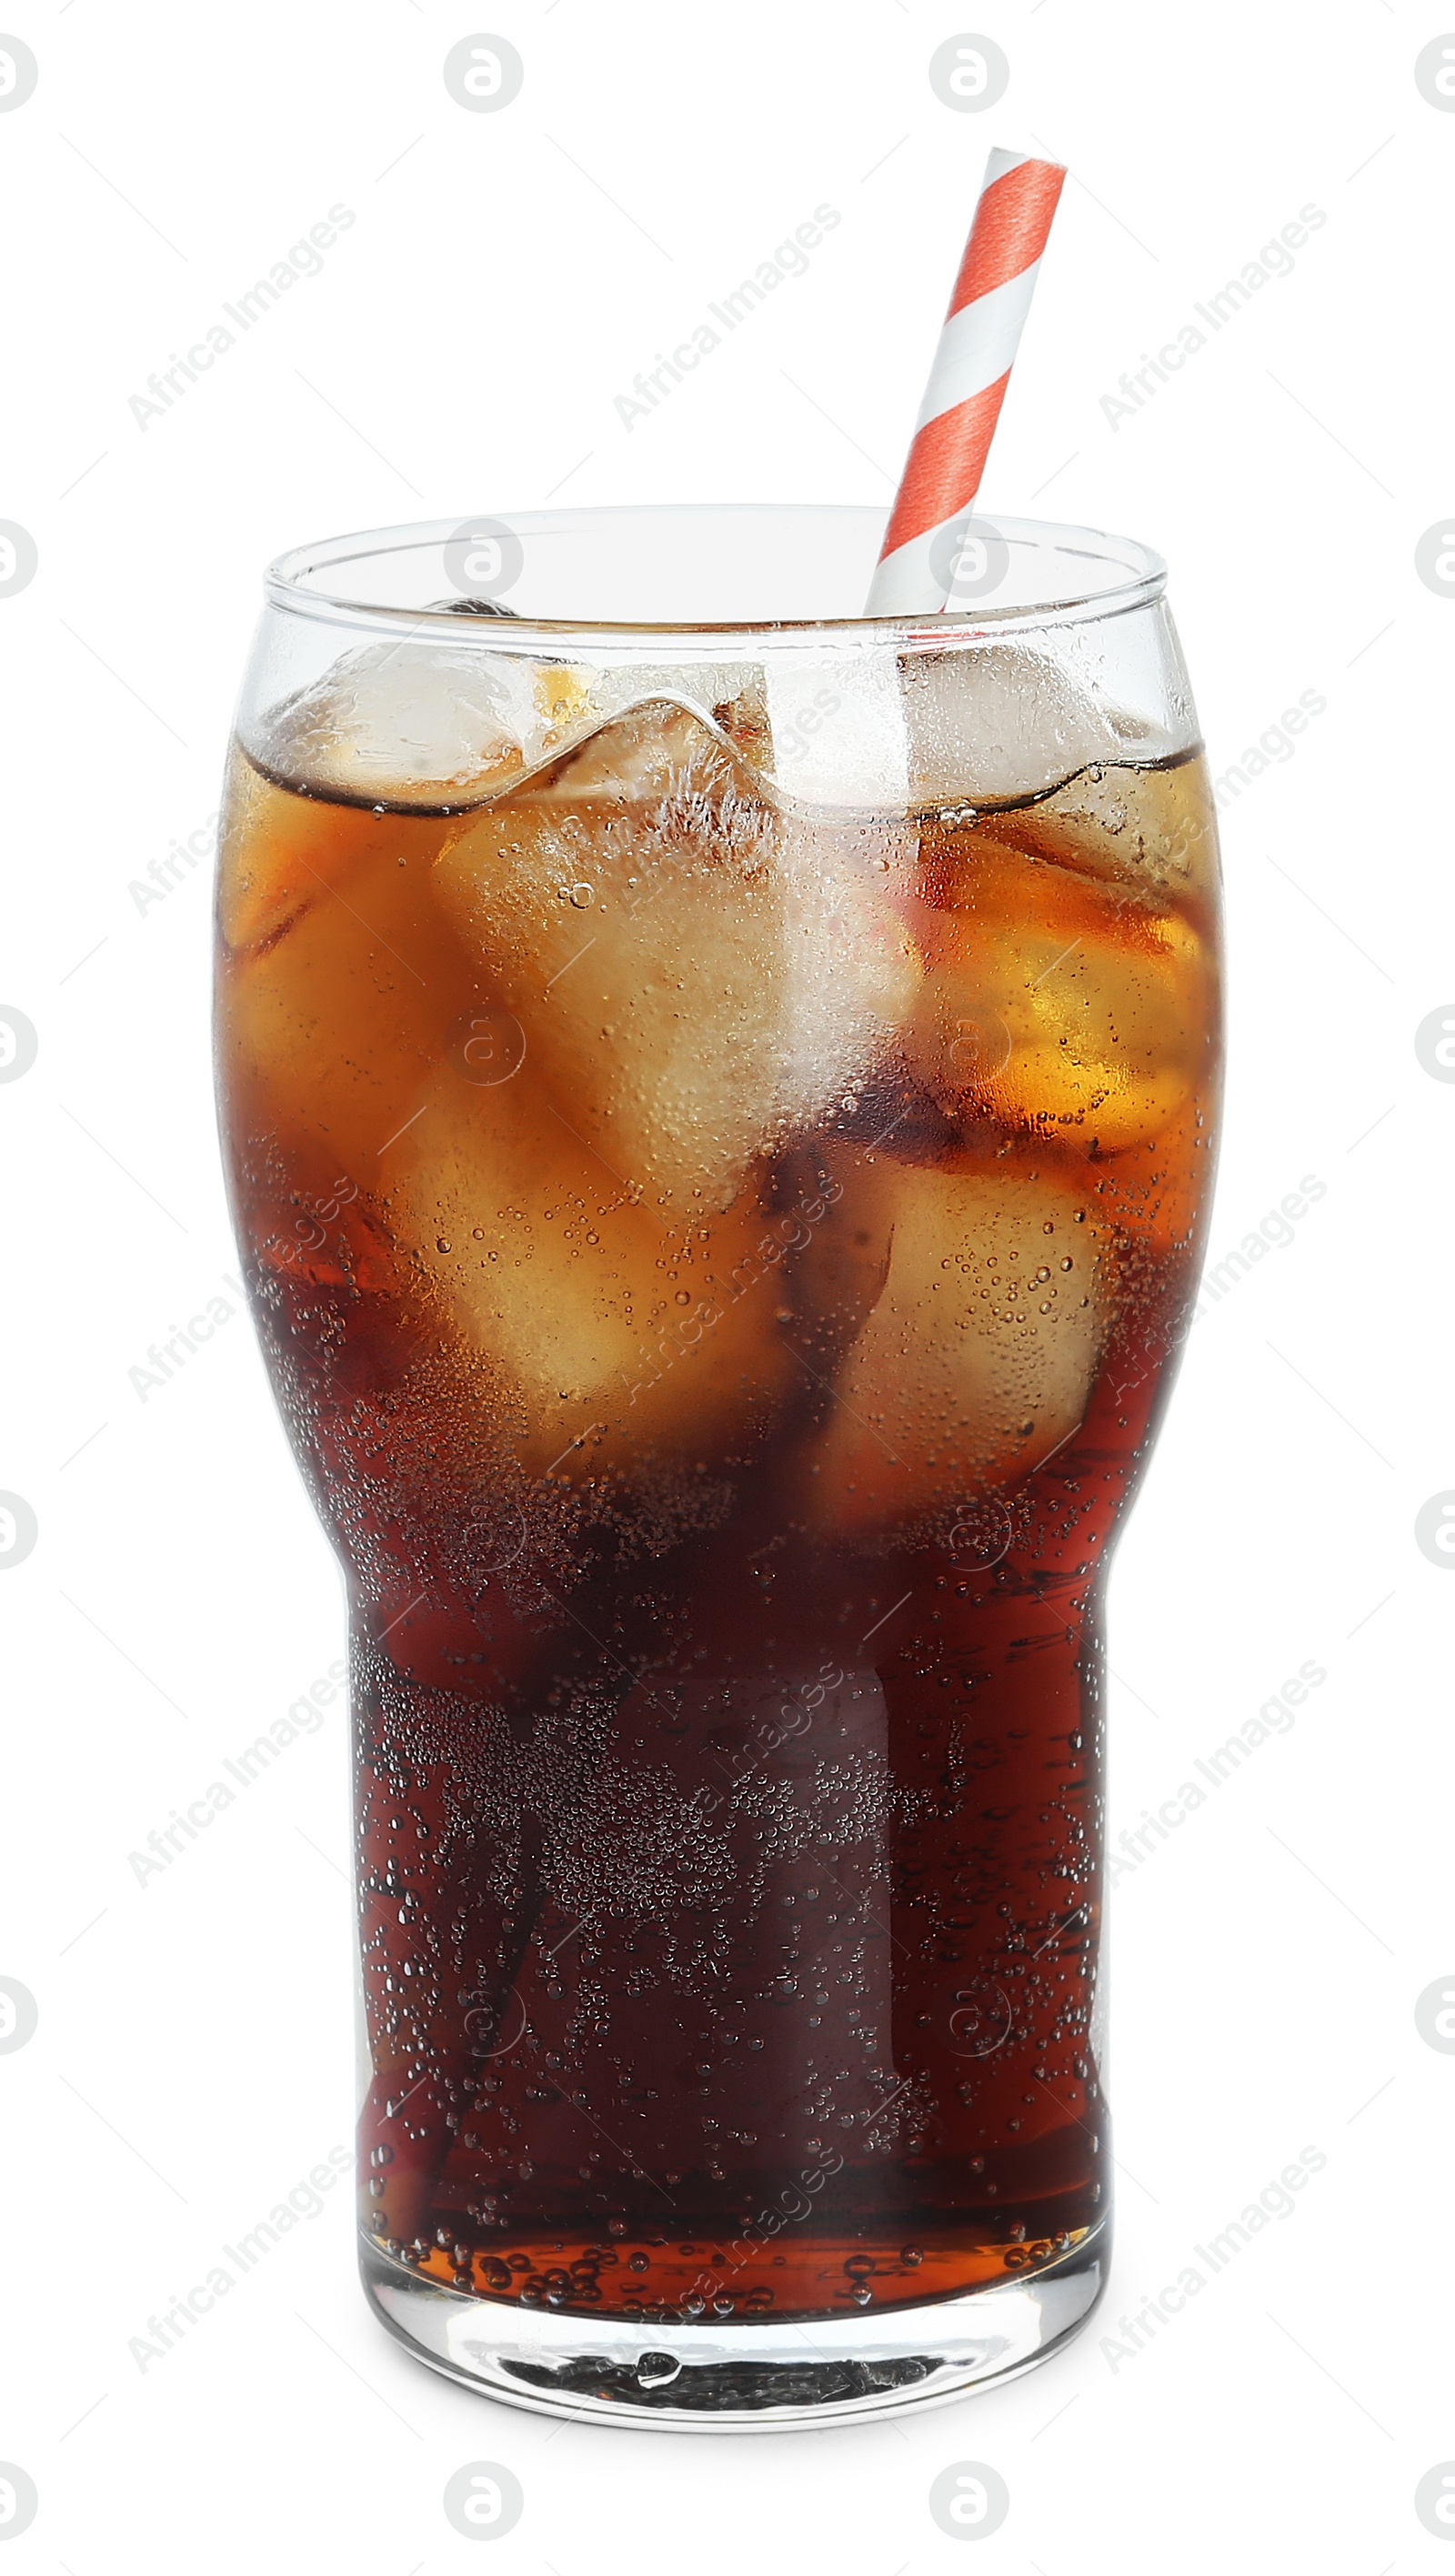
point(968, 380)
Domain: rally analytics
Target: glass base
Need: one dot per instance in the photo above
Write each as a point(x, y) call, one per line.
point(749, 2376)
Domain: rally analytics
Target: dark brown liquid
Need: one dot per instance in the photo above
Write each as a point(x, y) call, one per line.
point(725, 1554)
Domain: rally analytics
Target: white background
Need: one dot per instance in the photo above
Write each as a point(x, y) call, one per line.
point(506, 277)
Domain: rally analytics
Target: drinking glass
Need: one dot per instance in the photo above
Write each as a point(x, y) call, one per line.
point(719, 1097)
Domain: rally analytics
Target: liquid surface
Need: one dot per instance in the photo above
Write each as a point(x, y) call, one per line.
point(719, 1267)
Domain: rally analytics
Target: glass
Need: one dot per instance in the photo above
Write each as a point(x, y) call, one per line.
point(720, 1100)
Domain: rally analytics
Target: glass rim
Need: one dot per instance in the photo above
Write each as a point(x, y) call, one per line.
point(297, 582)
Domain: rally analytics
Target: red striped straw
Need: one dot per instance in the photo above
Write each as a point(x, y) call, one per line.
point(946, 460)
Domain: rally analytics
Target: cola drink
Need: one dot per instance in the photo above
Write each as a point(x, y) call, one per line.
point(720, 1257)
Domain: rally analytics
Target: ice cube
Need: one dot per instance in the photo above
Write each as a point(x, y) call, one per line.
point(999, 719)
point(698, 972)
point(653, 750)
point(1056, 1003)
point(331, 1003)
point(1154, 830)
point(272, 857)
point(978, 1358)
point(615, 1344)
point(839, 729)
point(845, 1203)
point(418, 724)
